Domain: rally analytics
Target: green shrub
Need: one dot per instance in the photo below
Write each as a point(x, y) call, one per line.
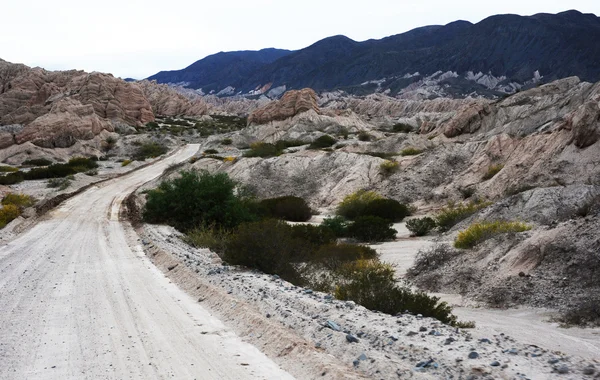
point(431, 259)
point(37, 162)
point(492, 171)
point(268, 246)
point(8, 169)
point(226, 141)
point(371, 284)
point(389, 167)
point(211, 151)
point(19, 200)
point(60, 183)
point(152, 125)
point(452, 213)
point(126, 162)
point(210, 237)
point(481, 231)
point(402, 128)
point(149, 150)
point(313, 236)
point(12, 178)
point(337, 224)
point(387, 209)
point(195, 199)
point(420, 226)
point(293, 209)
point(324, 141)
point(74, 166)
point(371, 229)
point(364, 136)
point(8, 213)
point(353, 205)
point(332, 256)
point(264, 150)
point(410, 151)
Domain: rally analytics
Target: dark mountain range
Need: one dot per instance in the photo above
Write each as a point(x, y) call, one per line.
point(509, 47)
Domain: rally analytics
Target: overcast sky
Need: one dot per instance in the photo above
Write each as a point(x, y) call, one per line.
point(137, 38)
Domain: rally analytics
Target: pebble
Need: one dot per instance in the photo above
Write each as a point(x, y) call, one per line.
point(473, 355)
point(563, 369)
point(334, 326)
point(351, 338)
point(495, 363)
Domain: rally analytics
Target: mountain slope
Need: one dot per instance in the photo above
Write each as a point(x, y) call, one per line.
point(509, 47)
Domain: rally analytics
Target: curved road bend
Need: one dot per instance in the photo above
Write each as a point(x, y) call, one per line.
point(77, 303)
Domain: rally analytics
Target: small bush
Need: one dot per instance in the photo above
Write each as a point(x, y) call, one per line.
point(324, 141)
point(149, 150)
point(60, 183)
point(37, 162)
point(263, 150)
point(152, 124)
point(19, 200)
point(312, 236)
point(389, 167)
point(492, 171)
point(226, 141)
point(452, 213)
point(8, 213)
point(402, 128)
point(293, 209)
point(283, 144)
point(481, 231)
point(372, 285)
point(371, 229)
point(467, 192)
point(410, 151)
point(364, 136)
point(12, 178)
point(126, 162)
point(387, 209)
point(332, 256)
point(74, 166)
point(195, 199)
point(420, 226)
point(211, 151)
point(8, 169)
point(337, 224)
point(268, 246)
point(210, 237)
point(585, 314)
point(431, 259)
point(353, 205)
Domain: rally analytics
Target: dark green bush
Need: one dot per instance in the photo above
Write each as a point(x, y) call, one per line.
point(354, 205)
point(195, 199)
point(324, 141)
point(313, 237)
point(152, 124)
point(37, 162)
point(74, 166)
point(268, 246)
point(149, 150)
point(337, 224)
point(264, 150)
point(402, 128)
point(364, 136)
point(211, 151)
point(12, 178)
point(8, 169)
point(332, 256)
point(227, 141)
point(293, 209)
point(453, 213)
point(388, 209)
point(371, 229)
point(372, 285)
point(420, 226)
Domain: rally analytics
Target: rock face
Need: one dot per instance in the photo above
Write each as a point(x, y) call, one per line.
point(58, 107)
point(291, 104)
point(166, 101)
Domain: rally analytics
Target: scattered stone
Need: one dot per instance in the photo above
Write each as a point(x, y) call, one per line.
point(412, 333)
point(423, 329)
point(473, 355)
point(334, 326)
point(351, 338)
point(589, 370)
point(362, 357)
point(563, 369)
point(495, 363)
point(449, 341)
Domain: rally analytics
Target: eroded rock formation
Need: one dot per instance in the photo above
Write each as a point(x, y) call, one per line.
point(291, 104)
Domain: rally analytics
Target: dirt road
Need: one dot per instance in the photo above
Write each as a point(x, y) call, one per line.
point(77, 303)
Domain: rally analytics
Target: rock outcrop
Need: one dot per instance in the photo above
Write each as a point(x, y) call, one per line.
point(55, 108)
point(291, 104)
point(166, 101)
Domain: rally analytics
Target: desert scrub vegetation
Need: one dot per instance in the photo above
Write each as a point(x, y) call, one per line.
point(410, 151)
point(453, 213)
point(492, 170)
point(371, 229)
point(369, 203)
point(431, 259)
point(293, 209)
point(126, 162)
point(7, 169)
point(263, 150)
point(402, 128)
point(324, 141)
point(389, 167)
point(420, 226)
point(478, 232)
point(37, 162)
point(60, 183)
point(149, 149)
point(195, 199)
point(364, 136)
point(8, 213)
point(73, 166)
point(585, 313)
point(12, 206)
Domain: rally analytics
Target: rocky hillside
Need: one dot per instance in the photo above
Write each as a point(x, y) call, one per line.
point(500, 54)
